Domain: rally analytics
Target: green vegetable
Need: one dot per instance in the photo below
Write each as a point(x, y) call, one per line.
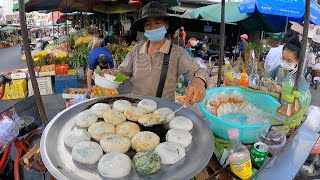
point(147, 162)
point(120, 78)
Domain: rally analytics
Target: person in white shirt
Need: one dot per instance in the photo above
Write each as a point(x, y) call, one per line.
point(273, 57)
point(311, 61)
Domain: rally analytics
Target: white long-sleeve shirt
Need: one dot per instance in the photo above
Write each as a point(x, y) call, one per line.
point(273, 57)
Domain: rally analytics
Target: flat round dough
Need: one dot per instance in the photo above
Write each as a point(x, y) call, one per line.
point(148, 104)
point(99, 108)
point(115, 143)
point(170, 152)
point(86, 118)
point(76, 136)
point(182, 123)
point(145, 141)
point(87, 152)
point(127, 129)
point(165, 112)
point(179, 136)
point(121, 105)
point(114, 165)
point(100, 129)
point(134, 113)
point(151, 119)
point(114, 117)
point(146, 162)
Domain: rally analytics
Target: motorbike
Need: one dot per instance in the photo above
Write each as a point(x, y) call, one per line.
point(7, 172)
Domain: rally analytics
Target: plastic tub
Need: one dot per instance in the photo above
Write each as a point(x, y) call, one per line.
point(106, 82)
point(247, 132)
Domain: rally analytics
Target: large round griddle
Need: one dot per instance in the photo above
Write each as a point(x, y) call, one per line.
point(58, 160)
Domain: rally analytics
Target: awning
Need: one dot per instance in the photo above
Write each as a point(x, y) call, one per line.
point(8, 28)
point(213, 13)
point(16, 5)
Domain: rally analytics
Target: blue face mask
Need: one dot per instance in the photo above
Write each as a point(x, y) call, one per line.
point(156, 35)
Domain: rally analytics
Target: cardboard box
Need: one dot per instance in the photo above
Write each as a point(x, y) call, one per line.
point(48, 70)
point(73, 93)
point(72, 72)
point(46, 74)
point(19, 74)
point(44, 84)
point(18, 89)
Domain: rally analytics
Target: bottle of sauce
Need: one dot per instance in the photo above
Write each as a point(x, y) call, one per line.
point(287, 85)
point(244, 81)
point(297, 107)
point(285, 112)
point(239, 156)
point(296, 102)
point(229, 81)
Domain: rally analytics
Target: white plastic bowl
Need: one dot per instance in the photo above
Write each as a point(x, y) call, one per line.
point(106, 82)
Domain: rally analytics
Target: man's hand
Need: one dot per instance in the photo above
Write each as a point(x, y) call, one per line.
point(195, 92)
point(107, 71)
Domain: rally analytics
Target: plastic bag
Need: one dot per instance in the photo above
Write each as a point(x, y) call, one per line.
point(8, 132)
point(313, 121)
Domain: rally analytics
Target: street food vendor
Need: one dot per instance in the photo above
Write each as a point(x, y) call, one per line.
point(101, 57)
point(290, 55)
point(156, 64)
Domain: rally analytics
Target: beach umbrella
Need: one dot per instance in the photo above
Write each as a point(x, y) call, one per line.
point(213, 13)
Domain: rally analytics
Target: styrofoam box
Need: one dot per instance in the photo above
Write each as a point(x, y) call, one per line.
point(44, 84)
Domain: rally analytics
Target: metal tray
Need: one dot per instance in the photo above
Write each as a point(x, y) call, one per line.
point(58, 160)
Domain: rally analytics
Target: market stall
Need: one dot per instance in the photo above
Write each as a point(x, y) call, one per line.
point(219, 109)
point(8, 36)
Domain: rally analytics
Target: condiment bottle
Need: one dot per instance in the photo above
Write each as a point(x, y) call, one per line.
point(285, 112)
point(297, 107)
point(287, 85)
point(254, 80)
point(229, 81)
point(266, 80)
point(244, 81)
point(296, 102)
point(239, 156)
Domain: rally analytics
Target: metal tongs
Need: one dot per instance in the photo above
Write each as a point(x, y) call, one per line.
point(166, 119)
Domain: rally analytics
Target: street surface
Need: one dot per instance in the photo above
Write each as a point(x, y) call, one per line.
point(10, 59)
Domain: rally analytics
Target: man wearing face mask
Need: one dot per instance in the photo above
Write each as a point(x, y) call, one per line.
point(290, 56)
point(156, 64)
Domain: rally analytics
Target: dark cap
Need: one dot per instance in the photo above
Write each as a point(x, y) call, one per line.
point(156, 10)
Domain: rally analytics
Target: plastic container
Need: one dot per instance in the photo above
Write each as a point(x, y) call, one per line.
point(106, 82)
point(247, 132)
point(65, 82)
point(275, 139)
point(62, 69)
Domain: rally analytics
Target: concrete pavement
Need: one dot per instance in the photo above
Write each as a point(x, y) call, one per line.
point(10, 59)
